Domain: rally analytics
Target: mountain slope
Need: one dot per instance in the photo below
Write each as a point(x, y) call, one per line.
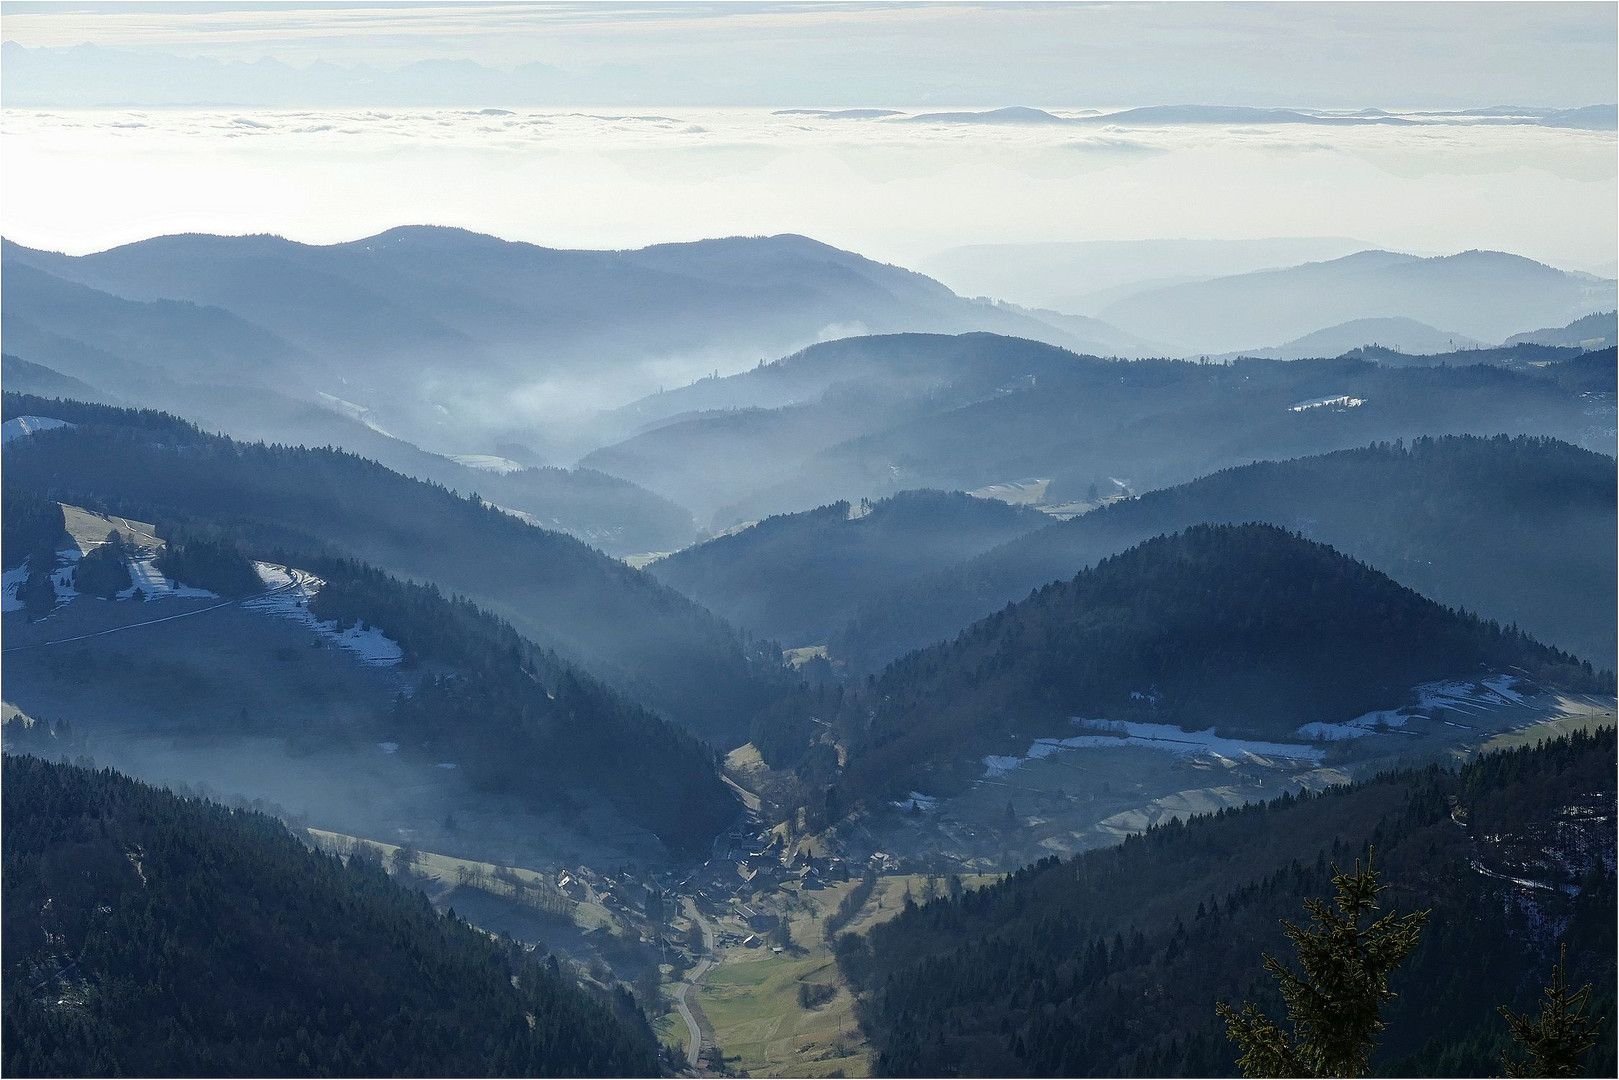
point(152, 935)
point(1153, 423)
point(23, 377)
point(452, 338)
point(796, 577)
point(640, 637)
point(1249, 630)
point(1520, 530)
point(1486, 295)
point(719, 440)
point(1046, 973)
point(232, 376)
point(1595, 331)
point(320, 683)
point(1405, 335)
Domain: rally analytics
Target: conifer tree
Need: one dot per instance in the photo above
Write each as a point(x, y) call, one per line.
point(1334, 1009)
point(1558, 1039)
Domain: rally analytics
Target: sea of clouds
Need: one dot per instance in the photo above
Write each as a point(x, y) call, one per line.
point(895, 184)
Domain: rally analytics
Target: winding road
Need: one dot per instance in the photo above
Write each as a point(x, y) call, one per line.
point(695, 1047)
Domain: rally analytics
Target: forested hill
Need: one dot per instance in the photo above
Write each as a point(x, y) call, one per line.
point(1110, 964)
point(1249, 629)
point(1156, 423)
point(523, 722)
point(796, 577)
point(433, 329)
point(1519, 530)
point(639, 636)
point(149, 935)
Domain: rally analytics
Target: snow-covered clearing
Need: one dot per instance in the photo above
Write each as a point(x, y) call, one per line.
point(18, 426)
point(917, 799)
point(1473, 697)
point(1342, 401)
point(488, 462)
point(1165, 737)
point(288, 595)
point(61, 577)
point(353, 411)
point(145, 576)
point(10, 582)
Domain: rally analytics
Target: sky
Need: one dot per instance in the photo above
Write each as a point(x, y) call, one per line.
point(616, 125)
point(1389, 55)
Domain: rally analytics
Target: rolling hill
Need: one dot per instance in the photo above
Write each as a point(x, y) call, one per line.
point(720, 440)
point(1487, 295)
point(146, 934)
point(226, 374)
point(796, 577)
point(322, 684)
point(1519, 530)
point(1247, 631)
point(637, 635)
point(453, 340)
point(1151, 423)
point(1596, 331)
point(1400, 334)
point(1047, 972)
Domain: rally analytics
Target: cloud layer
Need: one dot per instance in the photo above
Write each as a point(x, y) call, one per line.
point(890, 186)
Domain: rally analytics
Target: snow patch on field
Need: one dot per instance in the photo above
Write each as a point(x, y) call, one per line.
point(1465, 696)
point(1473, 697)
point(921, 801)
point(11, 581)
point(353, 411)
point(19, 426)
point(1334, 732)
point(1165, 737)
point(288, 596)
point(1342, 401)
point(1371, 723)
point(145, 576)
point(487, 462)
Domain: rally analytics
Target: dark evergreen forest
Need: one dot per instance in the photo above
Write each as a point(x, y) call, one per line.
point(1518, 529)
point(1110, 964)
point(520, 719)
point(640, 636)
point(151, 935)
point(1247, 628)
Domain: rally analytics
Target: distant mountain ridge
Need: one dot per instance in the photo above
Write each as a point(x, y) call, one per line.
point(796, 577)
point(1405, 335)
point(454, 340)
point(1001, 411)
point(1487, 295)
point(1516, 529)
point(223, 372)
point(1595, 331)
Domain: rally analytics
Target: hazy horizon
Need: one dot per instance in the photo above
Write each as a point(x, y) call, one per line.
point(613, 126)
point(894, 190)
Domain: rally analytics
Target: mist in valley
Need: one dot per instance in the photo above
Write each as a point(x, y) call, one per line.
point(699, 503)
